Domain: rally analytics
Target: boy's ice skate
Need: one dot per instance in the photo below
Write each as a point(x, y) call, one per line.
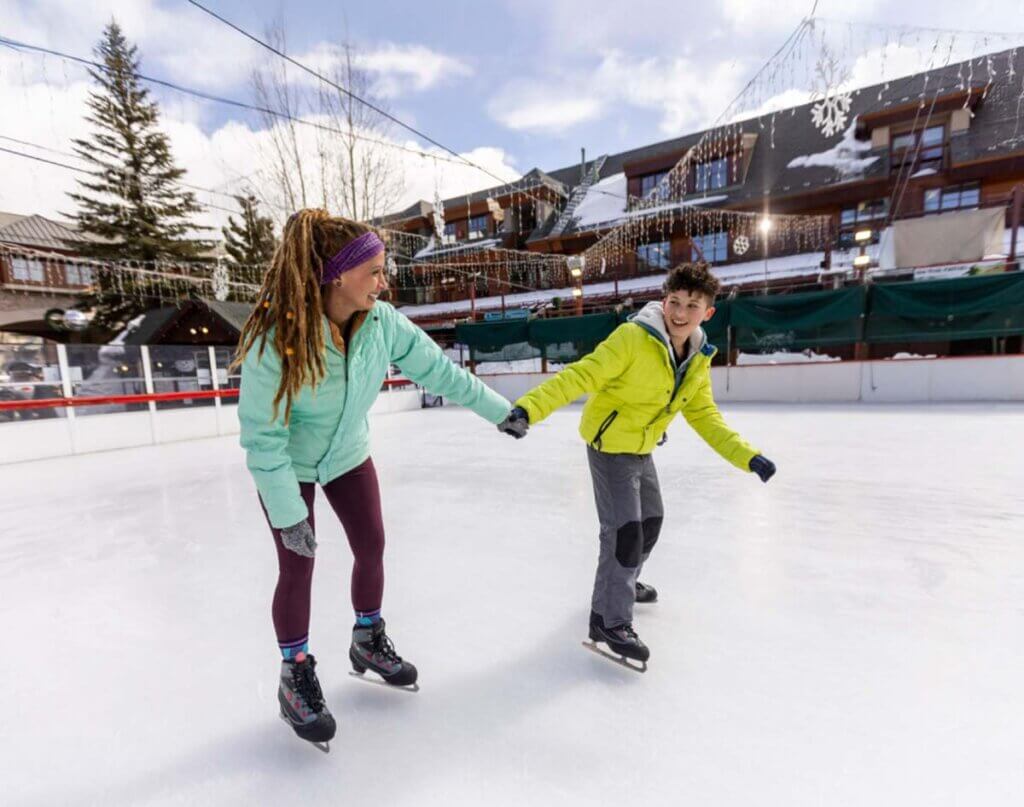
point(302, 702)
point(372, 650)
point(623, 642)
point(645, 593)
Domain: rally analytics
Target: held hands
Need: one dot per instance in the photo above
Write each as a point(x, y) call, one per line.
point(763, 467)
point(299, 539)
point(517, 423)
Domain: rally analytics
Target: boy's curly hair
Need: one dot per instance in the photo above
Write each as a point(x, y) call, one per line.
point(693, 277)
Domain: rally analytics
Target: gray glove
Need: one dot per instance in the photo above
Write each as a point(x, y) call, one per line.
point(299, 539)
point(517, 423)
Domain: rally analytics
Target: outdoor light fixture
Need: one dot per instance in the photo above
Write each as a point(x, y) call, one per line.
point(576, 272)
point(577, 292)
point(862, 235)
point(765, 225)
point(862, 261)
point(193, 331)
point(205, 329)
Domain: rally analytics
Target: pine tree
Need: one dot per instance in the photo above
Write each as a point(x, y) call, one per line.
point(132, 207)
point(249, 242)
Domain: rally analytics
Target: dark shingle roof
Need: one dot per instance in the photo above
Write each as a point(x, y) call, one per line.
point(37, 231)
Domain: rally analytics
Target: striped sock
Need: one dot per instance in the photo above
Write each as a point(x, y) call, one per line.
point(290, 650)
point(367, 617)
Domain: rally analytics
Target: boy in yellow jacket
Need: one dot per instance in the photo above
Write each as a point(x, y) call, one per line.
point(646, 372)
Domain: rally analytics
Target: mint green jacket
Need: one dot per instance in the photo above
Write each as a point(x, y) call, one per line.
point(328, 433)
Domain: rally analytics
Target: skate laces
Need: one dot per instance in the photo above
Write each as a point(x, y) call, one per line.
point(384, 648)
point(306, 684)
point(628, 631)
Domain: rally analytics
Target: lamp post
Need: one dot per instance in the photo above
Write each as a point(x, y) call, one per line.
point(765, 226)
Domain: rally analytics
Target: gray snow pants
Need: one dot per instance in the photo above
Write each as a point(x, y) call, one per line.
point(630, 512)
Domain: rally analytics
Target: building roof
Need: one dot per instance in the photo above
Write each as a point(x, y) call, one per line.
point(36, 231)
point(791, 156)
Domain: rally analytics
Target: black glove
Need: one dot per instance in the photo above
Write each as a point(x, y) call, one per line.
point(763, 467)
point(517, 423)
point(299, 539)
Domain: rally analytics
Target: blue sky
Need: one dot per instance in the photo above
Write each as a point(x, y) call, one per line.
point(511, 84)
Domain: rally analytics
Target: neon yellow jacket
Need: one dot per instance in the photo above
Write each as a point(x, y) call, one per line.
point(636, 391)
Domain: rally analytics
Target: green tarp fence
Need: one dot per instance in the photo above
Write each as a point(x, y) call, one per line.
point(796, 321)
point(933, 310)
point(938, 310)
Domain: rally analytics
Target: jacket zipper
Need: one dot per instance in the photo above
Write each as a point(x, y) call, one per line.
point(596, 442)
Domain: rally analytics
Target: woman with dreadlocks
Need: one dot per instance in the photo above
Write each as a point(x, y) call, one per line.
point(314, 354)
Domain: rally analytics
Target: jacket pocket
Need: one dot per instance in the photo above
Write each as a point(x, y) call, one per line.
point(605, 425)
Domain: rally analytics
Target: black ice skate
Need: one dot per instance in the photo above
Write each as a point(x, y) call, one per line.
point(621, 640)
point(646, 594)
point(302, 703)
point(372, 650)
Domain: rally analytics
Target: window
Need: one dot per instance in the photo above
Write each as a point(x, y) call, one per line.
point(450, 229)
point(650, 182)
point(918, 151)
point(868, 214)
point(713, 246)
point(478, 224)
point(75, 275)
point(27, 269)
point(712, 175)
point(955, 197)
point(653, 256)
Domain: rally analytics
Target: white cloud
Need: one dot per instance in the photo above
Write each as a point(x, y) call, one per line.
point(544, 107)
point(683, 92)
point(51, 111)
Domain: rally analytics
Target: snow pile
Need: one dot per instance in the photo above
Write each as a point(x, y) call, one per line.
point(783, 357)
point(844, 157)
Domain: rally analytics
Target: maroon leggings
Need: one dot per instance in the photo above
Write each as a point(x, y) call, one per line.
point(355, 499)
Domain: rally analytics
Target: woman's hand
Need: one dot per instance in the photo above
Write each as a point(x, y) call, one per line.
point(517, 423)
point(299, 539)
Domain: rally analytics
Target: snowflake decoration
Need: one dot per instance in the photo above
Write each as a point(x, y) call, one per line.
point(741, 245)
point(392, 267)
point(831, 113)
point(220, 282)
point(832, 109)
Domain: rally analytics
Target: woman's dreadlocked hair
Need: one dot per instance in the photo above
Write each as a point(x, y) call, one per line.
point(290, 302)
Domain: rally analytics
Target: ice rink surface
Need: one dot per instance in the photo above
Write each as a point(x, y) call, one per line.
point(850, 634)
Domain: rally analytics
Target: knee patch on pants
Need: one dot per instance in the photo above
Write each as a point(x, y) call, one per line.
point(629, 544)
point(652, 529)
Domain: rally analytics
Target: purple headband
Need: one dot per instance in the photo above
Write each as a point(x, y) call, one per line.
point(358, 251)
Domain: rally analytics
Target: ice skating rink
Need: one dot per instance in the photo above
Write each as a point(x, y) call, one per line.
point(850, 634)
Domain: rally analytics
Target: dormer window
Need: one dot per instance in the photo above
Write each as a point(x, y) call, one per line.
point(920, 150)
point(651, 181)
point(712, 175)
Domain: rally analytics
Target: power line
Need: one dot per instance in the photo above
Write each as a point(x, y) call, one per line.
point(15, 44)
point(85, 171)
point(384, 113)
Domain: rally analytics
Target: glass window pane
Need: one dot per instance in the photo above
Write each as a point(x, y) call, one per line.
point(951, 198)
point(903, 141)
point(29, 372)
point(933, 136)
point(181, 368)
point(848, 215)
point(931, 199)
point(970, 196)
point(105, 370)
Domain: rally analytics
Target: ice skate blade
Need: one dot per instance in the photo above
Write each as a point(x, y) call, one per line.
point(382, 683)
point(325, 747)
point(622, 661)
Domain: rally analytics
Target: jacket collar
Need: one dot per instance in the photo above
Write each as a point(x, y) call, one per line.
point(333, 336)
point(652, 319)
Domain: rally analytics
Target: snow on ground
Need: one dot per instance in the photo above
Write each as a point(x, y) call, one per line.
point(851, 633)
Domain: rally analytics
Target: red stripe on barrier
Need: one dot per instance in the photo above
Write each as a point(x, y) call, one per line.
point(103, 400)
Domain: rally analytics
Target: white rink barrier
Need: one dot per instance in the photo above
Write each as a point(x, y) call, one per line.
point(970, 378)
point(25, 440)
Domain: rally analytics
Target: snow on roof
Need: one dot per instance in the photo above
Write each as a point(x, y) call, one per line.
point(605, 203)
point(843, 156)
